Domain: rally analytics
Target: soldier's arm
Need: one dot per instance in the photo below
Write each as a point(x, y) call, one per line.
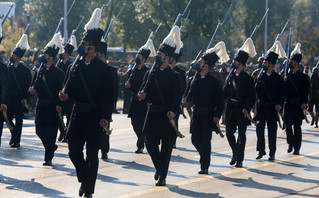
point(176, 100)
point(4, 84)
point(108, 95)
point(220, 100)
point(251, 97)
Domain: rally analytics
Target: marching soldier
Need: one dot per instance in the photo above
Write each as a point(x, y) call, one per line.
point(207, 96)
point(297, 89)
point(161, 88)
point(47, 82)
point(20, 79)
point(239, 92)
point(90, 82)
point(63, 64)
point(138, 108)
point(182, 76)
point(270, 98)
point(4, 89)
point(260, 62)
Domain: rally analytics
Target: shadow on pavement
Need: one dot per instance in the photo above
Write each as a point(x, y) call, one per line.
point(188, 193)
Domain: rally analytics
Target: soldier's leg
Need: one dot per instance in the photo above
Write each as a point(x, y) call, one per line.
point(51, 131)
point(241, 142)
point(1, 129)
point(297, 136)
point(75, 145)
point(230, 134)
point(272, 136)
point(92, 148)
point(137, 123)
point(289, 134)
point(260, 132)
point(165, 154)
point(176, 118)
point(310, 110)
point(152, 142)
point(104, 145)
point(18, 127)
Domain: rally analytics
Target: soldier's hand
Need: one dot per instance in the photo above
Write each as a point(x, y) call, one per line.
point(245, 112)
point(127, 85)
point(104, 123)
point(63, 96)
point(303, 106)
point(170, 115)
point(32, 91)
point(24, 101)
point(141, 95)
point(3, 107)
point(58, 108)
point(216, 120)
point(277, 107)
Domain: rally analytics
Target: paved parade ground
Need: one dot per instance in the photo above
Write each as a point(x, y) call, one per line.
point(126, 174)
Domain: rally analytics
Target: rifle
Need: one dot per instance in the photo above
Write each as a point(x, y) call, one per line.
point(70, 9)
point(28, 25)
point(185, 21)
point(282, 31)
point(59, 24)
point(103, 6)
point(76, 29)
point(288, 55)
point(7, 14)
point(257, 26)
point(111, 23)
point(179, 14)
point(6, 120)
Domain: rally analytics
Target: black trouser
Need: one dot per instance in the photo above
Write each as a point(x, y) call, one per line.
point(47, 132)
point(1, 125)
point(158, 131)
point(238, 147)
point(294, 136)
point(272, 136)
point(137, 122)
point(17, 127)
point(85, 129)
point(105, 143)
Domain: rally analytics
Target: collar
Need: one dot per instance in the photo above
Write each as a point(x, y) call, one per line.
point(87, 64)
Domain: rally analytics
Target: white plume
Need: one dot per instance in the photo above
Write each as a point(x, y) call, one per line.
point(173, 39)
point(277, 48)
point(73, 42)
point(94, 20)
point(149, 46)
point(296, 50)
point(23, 43)
point(220, 50)
point(249, 48)
point(56, 42)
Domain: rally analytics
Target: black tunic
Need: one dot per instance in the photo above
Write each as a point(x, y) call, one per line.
point(270, 92)
point(243, 98)
point(4, 84)
point(297, 87)
point(63, 66)
point(136, 106)
point(47, 101)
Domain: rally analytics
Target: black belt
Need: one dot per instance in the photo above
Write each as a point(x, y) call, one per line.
point(233, 102)
point(42, 102)
point(202, 110)
point(158, 108)
point(266, 103)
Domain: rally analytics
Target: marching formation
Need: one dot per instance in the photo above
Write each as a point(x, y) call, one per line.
point(84, 90)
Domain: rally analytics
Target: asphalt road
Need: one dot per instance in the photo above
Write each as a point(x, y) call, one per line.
point(126, 174)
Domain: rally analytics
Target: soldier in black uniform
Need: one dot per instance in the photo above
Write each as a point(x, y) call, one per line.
point(105, 139)
point(4, 91)
point(137, 108)
point(207, 95)
point(182, 76)
point(270, 97)
point(239, 92)
point(162, 89)
point(20, 79)
point(63, 64)
point(297, 89)
point(314, 97)
point(90, 82)
point(47, 82)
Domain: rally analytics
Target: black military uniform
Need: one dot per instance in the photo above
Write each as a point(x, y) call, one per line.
point(314, 97)
point(4, 91)
point(20, 79)
point(239, 92)
point(296, 93)
point(270, 92)
point(91, 85)
point(162, 90)
point(137, 108)
point(47, 82)
point(66, 106)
